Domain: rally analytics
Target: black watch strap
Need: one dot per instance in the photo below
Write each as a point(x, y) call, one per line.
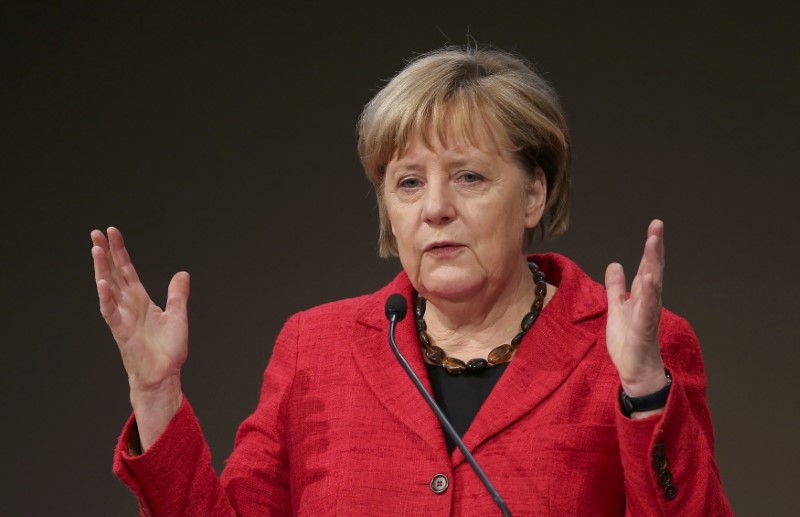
point(655, 400)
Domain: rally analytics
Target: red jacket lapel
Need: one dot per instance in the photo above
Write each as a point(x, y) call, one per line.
point(383, 373)
point(548, 354)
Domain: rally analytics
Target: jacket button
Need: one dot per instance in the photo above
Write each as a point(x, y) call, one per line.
point(439, 484)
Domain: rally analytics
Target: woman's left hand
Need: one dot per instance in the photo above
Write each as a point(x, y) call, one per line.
point(632, 327)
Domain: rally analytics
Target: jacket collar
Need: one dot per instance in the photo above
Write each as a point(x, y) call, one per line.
point(548, 354)
point(384, 374)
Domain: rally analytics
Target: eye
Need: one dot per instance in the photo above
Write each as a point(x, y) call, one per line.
point(470, 177)
point(409, 183)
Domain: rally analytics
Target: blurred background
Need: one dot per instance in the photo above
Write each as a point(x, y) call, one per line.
point(220, 138)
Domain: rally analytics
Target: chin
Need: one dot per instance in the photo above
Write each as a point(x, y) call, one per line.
point(449, 283)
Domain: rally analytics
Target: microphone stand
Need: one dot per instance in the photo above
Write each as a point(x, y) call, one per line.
point(394, 317)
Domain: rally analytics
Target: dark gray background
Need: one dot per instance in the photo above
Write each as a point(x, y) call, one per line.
point(220, 139)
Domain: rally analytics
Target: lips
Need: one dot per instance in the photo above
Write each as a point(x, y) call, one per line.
point(443, 247)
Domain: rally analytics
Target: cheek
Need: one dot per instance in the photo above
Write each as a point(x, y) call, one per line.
point(403, 230)
point(504, 231)
point(390, 216)
point(495, 221)
point(399, 220)
point(398, 229)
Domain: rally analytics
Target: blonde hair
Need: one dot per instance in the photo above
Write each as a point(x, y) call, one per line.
point(449, 89)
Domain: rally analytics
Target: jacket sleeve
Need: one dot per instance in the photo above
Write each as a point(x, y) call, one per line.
point(174, 477)
point(668, 459)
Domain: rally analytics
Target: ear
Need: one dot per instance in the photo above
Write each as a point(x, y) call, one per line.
point(535, 197)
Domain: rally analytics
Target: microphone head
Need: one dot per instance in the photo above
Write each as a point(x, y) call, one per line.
point(396, 307)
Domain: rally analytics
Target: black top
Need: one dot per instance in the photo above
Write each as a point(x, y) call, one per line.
point(461, 396)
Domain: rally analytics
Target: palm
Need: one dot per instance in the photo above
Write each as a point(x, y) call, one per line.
point(153, 342)
point(632, 327)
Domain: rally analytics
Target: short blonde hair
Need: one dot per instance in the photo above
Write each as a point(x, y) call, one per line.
point(449, 87)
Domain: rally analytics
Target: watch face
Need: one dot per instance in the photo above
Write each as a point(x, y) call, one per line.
point(627, 405)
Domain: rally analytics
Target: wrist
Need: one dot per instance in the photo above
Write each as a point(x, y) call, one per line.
point(642, 406)
point(645, 384)
point(165, 389)
point(163, 399)
point(154, 409)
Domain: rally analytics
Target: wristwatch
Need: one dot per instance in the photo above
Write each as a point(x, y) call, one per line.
point(655, 400)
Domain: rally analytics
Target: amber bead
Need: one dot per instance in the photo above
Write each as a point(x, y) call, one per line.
point(528, 320)
point(424, 339)
point(501, 354)
point(518, 339)
point(477, 365)
point(435, 355)
point(454, 366)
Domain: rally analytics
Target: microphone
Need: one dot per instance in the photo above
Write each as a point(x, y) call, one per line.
point(396, 309)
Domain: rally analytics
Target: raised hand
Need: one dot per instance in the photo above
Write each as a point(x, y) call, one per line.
point(632, 327)
point(153, 342)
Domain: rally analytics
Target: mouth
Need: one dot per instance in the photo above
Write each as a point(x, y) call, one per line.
point(443, 247)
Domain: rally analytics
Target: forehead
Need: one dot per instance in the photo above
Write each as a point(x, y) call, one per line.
point(452, 152)
point(458, 134)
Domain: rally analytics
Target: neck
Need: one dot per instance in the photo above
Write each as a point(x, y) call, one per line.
point(472, 327)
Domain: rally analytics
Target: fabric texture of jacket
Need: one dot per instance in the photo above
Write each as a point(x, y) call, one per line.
point(341, 430)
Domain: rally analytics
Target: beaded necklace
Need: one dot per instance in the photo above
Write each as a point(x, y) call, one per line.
point(499, 355)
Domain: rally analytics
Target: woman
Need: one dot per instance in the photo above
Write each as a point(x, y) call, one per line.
point(575, 400)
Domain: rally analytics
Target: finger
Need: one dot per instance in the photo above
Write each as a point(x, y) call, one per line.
point(654, 252)
point(122, 259)
point(655, 233)
point(647, 310)
point(99, 239)
point(615, 285)
point(178, 293)
point(100, 265)
point(656, 227)
point(108, 306)
point(652, 261)
point(103, 273)
point(104, 242)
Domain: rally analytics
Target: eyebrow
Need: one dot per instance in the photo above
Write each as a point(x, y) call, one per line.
point(412, 166)
point(406, 165)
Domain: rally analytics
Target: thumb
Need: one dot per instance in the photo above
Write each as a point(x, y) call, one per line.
point(178, 292)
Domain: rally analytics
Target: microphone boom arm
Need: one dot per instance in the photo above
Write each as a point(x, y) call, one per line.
point(448, 427)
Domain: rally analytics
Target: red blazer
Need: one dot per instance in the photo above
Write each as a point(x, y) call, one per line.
point(340, 429)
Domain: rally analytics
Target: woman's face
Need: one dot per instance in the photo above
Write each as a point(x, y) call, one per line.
point(459, 214)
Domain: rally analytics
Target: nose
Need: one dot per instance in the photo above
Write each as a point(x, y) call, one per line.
point(437, 204)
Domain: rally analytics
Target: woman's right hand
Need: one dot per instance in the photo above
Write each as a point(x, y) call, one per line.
point(153, 342)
